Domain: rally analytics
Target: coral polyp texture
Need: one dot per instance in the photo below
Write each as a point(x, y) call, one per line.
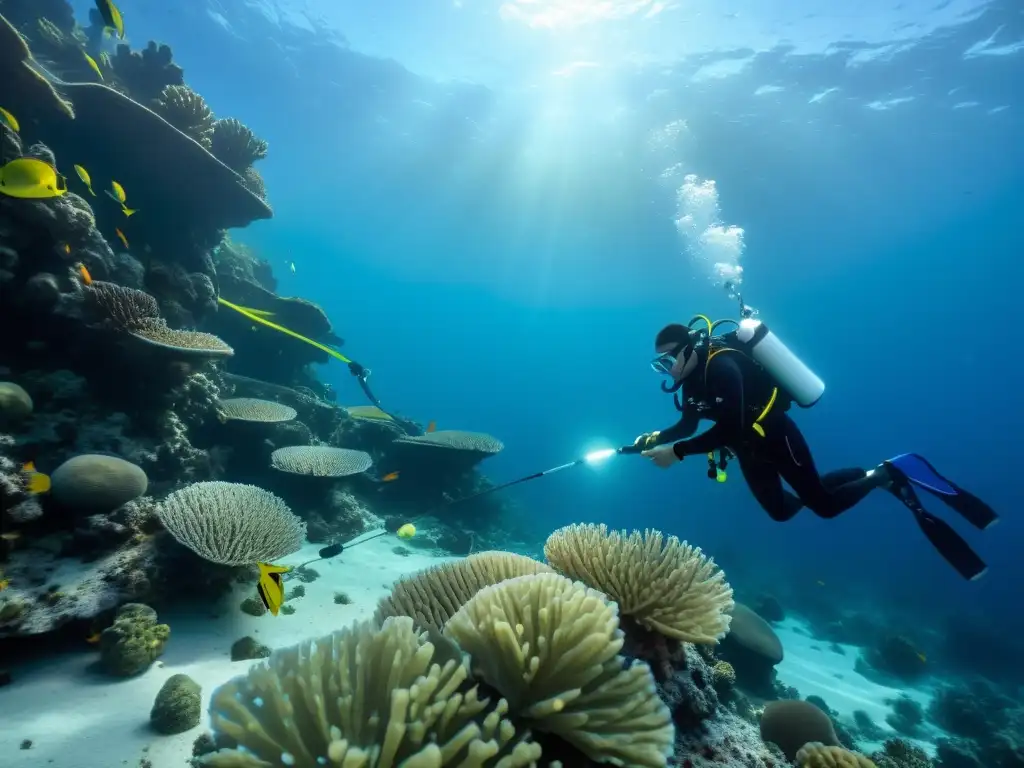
point(235, 144)
point(364, 696)
point(432, 596)
point(232, 523)
point(666, 585)
point(320, 461)
point(551, 647)
point(187, 111)
point(255, 410)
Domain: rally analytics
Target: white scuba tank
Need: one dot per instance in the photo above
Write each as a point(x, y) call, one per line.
point(788, 370)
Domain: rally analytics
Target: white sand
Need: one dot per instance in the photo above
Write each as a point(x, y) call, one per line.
point(78, 717)
point(814, 668)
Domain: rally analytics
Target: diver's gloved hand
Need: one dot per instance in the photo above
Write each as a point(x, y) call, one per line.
point(646, 441)
point(663, 456)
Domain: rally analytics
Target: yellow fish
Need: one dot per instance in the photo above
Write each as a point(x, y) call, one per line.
point(389, 477)
point(923, 658)
point(112, 18)
point(117, 192)
point(9, 120)
point(407, 531)
point(11, 536)
point(84, 274)
point(36, 482)
point(31, 179)
point(270, 586)
point(84, 176)
point(93, 65)
point(121, 236)
point(369, 412)
point(4, 584)
point(67, 249)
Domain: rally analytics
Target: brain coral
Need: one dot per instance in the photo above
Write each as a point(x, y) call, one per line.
point(97, 482)
point(15, 403)
point(793, 723)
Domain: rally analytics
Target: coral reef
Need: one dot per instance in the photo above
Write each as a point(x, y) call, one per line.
point(235, 145)
point(893, 656)
point(178, 705)
point(753, 648)
point(144, 74)
point(133, 641)
point(187, 111)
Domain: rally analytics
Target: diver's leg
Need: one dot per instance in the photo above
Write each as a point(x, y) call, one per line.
point(919, 471)
point(826, 497)
point(946, 541)
point(766, 485)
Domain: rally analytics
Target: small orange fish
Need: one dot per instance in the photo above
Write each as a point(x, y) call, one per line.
point(67, 249)
point(86, 277)
point(93, 638)
point(36, 482)
point(389, 477)
point(432, 426)
point(121, 237)
point(11, 536)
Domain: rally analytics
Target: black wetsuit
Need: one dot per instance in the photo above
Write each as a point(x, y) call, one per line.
point(735, 391)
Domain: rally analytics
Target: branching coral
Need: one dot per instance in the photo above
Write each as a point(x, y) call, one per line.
point(137, 313)
point(253, 181)
point(187, 111)
point(378, 698)
point(235, 145)
point(668, 586)
point(145, 74)
point(232, 523)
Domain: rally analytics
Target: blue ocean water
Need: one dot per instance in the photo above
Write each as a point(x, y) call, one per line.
point(476, 197)
point(476, 200)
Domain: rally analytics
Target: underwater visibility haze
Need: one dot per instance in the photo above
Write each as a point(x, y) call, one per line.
point(294, 293)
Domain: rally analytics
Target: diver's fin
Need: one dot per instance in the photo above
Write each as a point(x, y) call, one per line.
point(946, 541)
point(917, 470)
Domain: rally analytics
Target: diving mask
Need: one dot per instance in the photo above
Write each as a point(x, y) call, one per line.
point(663, 363)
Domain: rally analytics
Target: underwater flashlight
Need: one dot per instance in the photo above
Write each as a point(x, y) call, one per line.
point(595, 456)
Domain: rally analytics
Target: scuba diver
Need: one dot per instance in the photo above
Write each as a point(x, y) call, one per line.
point(745, 382)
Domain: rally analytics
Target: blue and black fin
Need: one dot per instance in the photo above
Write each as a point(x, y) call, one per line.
point(946, 541)
point(917, 470)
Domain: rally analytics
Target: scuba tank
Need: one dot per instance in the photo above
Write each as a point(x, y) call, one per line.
point(792, 375)
point(753, 338)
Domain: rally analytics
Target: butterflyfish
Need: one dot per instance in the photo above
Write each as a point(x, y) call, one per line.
point(35, 481)
point(93, 65)
point(389, 477)
point(407, 531)
point(84, 176)
point(270, 586)
point(111, 16)
point(121, 237)
point(84, 274)
point(431, 427)
point(31, 179)
point(9, 120)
